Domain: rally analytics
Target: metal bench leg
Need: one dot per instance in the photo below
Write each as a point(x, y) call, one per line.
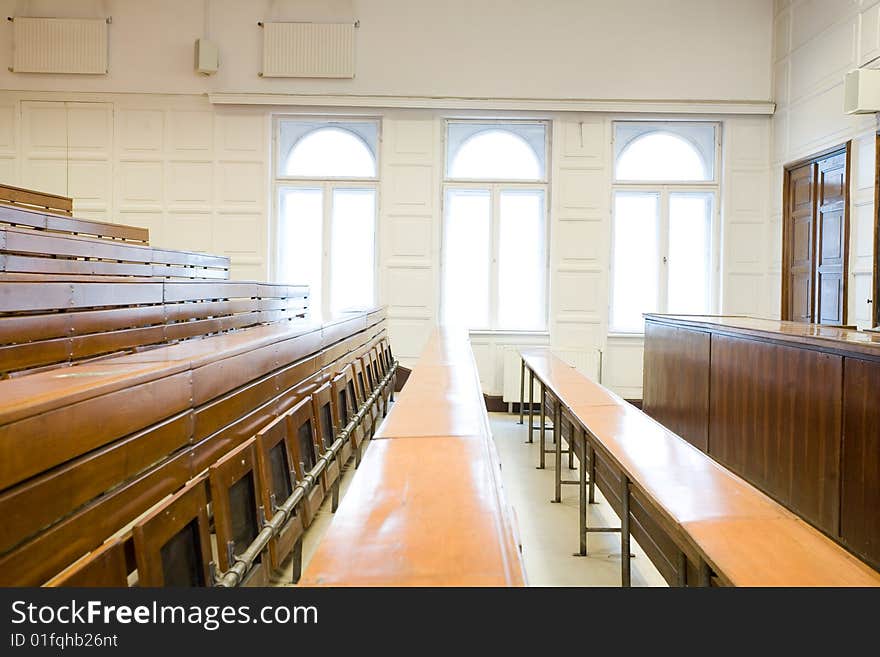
point(334, 500)
point(543, 434)
point(522, 388)
point(570, 455)
point(297, 561)
point(531, 405)
point(705, 574)
point(625, 565)
point(592, 498)
point(681, 575)
point(557, 437)
point(582, 499)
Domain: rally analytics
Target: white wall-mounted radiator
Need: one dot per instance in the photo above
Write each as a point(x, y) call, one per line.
point(587, 361)
point(308, 50)
point(59, 45)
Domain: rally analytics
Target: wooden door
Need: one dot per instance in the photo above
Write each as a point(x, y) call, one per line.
point(815, 240)
point(800, 230)
point(831, 240)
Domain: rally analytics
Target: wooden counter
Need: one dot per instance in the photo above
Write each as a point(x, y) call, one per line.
point(426, 506)
point(790, 407)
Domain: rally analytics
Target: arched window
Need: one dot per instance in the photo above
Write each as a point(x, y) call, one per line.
point(326, 181)
point(495, 154)
point(330, 153)
point(494, 255)
point(665, 207)
point(661, 156)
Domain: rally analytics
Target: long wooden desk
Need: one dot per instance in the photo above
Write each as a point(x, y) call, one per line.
point(720, 528)
point(426, 507)
point(790, 407)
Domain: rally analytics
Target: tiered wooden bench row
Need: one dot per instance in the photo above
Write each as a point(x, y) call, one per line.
point(698, 522)
point(90, 447)
point(123, 390)
point(49, 320)
point(426, 507)
point(25, 246)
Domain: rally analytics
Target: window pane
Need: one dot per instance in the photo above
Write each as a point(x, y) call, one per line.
point(495, 151)
point(661, 156)
point(352, 249)
point(300, 253)
point(521, 260)
point(329, 153)
point(635, 286)
point(690, 237)
point(466, 246)
point(664, 151)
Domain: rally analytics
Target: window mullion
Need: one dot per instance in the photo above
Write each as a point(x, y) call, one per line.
point(326, 231)
point(663, 260)
point(496, 231)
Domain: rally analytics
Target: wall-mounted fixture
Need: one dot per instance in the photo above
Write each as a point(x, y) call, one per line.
point(861, 91)
point(207, 57)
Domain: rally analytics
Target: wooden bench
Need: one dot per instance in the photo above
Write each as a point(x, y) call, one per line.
point(426, 507)
point(167, 414)
point(47, 322)
point(698, 522)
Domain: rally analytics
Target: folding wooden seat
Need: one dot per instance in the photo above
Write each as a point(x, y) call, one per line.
point(277, 481)
point(346, 407)
point(357, 399)
point(103, 567)
point(369, 386)
point(304, 447)
point(238, 513)
point(322, 407)
point(172, 545)
point(360, 386)
point(379, 375)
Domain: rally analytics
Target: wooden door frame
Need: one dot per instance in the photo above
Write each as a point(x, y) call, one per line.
point(875, 279)
point(845, 148)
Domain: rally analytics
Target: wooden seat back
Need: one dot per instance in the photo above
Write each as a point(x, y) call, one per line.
point(236, 503)
point(278, 478)
point(105, 566)
point(29, 199)
point(173, 543)
point(303, 439)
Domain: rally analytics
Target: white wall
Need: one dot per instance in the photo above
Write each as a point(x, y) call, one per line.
point(198, 175)
point(670, 49)
point(815, 43)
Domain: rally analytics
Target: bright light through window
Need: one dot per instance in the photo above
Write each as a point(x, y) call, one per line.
point(351, 258)
point(660, 156)
point(521, 273)
point(636, 249)
point(300, 230)
point(330, 153)
point(327, 224)
point(494, 269)
point(498, 155)
point(689, 258)
point(665, 201)
point(466, 252)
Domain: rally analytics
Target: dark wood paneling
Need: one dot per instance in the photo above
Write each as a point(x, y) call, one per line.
point(676, 381)
point(775, 418)
point(860, 512)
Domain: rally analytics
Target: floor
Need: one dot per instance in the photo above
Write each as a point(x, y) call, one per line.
point(548, 530)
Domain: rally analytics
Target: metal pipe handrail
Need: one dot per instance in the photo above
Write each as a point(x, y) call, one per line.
point(245, 561)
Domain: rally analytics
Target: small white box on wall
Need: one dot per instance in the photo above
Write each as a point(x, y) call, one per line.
point(207, 57)
point(861, 91)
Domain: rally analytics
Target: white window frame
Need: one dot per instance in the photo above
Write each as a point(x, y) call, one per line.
point(327, 185)
point(495, 188)
point(664, 189)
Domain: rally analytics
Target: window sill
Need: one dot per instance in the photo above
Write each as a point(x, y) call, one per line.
point(509, 332)
point(626, 336)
